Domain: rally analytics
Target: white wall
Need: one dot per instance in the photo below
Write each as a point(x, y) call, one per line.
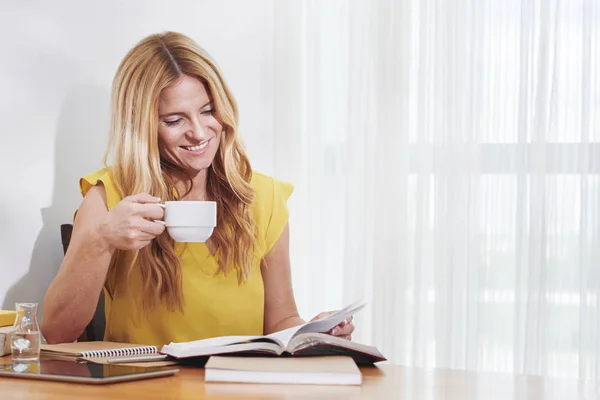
point(56, 65)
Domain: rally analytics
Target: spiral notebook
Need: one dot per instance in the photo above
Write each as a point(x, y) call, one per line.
point(107, 353)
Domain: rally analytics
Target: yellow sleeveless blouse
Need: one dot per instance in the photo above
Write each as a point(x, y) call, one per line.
point(215, 305)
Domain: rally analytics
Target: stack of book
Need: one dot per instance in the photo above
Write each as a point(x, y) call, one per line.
point(7, 320)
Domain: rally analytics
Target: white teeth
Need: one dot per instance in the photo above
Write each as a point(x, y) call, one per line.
point(198, 147)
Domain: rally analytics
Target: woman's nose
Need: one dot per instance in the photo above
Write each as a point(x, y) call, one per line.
point(199, 131)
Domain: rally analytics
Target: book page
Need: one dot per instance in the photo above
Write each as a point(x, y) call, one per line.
point(325, 324)
point(245, 347)
point(319, 326)
point(283, 337)
point(223, 345)
point(212, 342)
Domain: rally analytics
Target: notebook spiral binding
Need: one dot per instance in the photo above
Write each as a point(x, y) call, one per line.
point(129, 351)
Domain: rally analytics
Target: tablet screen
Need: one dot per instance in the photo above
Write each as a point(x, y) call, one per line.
point(81, 372)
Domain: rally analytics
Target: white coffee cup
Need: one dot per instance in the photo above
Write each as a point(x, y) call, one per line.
point(190, 221)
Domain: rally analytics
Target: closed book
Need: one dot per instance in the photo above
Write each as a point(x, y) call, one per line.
point(7, 317)
point(102, 352)
point(5, 336)
point(328, 370)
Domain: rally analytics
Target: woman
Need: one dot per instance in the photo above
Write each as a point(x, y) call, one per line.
point(174, 137)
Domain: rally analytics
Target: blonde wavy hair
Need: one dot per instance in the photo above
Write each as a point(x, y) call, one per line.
point(155, 63)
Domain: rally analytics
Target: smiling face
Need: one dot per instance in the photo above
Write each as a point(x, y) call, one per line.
point(188, 131)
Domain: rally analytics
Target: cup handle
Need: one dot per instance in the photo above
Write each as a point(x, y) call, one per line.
point(163, 207)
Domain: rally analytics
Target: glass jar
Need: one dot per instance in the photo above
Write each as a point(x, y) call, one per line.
point(26, 339)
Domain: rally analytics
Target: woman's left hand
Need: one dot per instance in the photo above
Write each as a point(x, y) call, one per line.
point(343, 330)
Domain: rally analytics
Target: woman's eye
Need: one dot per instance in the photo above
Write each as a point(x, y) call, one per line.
point(173, 122)
point(209, 112)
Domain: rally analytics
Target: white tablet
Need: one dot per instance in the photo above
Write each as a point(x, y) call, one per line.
point(71, 371)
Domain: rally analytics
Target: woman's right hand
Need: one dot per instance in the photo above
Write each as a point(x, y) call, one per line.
point(130, 225)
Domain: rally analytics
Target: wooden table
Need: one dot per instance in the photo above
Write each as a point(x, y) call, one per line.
point(381, 382)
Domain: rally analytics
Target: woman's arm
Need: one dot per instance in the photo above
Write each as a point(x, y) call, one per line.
point(72, 297)
point(280, 306)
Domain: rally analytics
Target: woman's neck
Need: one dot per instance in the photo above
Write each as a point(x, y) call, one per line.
point(198, 189)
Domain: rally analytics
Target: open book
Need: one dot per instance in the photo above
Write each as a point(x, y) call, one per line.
point(309, 339)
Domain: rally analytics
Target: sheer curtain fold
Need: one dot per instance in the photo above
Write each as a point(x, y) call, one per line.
point(443, 156)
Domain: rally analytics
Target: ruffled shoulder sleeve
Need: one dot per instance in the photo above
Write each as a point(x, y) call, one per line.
point(105, 177)
point(270, 209)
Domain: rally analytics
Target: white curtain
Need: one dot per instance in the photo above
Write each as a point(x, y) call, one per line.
point(446, 155)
